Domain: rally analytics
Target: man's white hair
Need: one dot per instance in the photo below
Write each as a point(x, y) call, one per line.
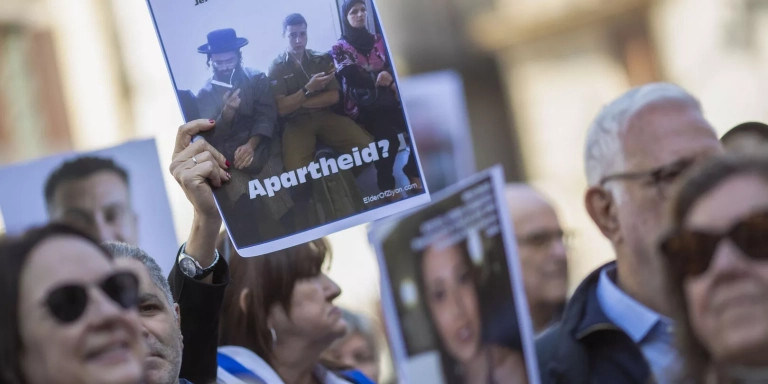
point(603, 152)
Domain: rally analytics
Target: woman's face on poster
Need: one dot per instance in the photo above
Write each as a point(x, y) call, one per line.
point(451, 297)
point(356, 15)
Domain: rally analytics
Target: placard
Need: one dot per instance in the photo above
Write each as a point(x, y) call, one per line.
point(452, 291)
point(305, 99)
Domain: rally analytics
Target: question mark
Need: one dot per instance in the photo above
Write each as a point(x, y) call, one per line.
point(384, 145)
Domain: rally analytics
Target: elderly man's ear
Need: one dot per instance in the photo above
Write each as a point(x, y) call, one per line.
point(601, 207)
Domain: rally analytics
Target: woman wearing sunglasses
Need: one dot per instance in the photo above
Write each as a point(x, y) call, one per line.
point(717, 253)
point(68, 316)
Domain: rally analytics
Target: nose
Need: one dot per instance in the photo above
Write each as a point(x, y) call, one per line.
point(330, 287)
point(558, 252)
point(459, 305)
point(729, 260)
point(102, 309)
point(103, 231)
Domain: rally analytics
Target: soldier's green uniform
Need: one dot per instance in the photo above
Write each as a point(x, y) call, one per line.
point(302, 128)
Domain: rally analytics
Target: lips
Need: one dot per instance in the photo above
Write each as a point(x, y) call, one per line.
point(464, 334)
point(112, 352)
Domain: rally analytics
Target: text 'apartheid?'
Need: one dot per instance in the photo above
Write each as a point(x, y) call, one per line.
point(316, 170)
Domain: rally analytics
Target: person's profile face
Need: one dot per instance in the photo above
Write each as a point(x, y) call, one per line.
point(728, 303)
point(160, 327)
point(542, 253)
point(311, 314)
point(356, 15)
point(224, 64)
point(101, 345)
point(355, 351)
point(98, 204)
point(297, 37)
point(452, 300)
point(661, 134)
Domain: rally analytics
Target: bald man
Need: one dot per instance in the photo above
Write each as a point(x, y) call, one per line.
point(542, 253)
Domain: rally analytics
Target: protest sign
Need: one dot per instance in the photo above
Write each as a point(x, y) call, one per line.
point(452, 291)
point(305, 99)
point(113, 194)
point(438, 116)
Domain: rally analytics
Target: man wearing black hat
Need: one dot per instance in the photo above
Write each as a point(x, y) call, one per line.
point(241, 102)
point(239, 99)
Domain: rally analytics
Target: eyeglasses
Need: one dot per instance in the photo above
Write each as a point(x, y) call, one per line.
point(541, 239)
point(690, 252)
point(68, 302)
point(660, 177)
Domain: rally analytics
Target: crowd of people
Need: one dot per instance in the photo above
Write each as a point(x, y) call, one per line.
point(685, 301)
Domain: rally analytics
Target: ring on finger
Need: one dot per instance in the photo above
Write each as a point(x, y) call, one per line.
point(194, 160)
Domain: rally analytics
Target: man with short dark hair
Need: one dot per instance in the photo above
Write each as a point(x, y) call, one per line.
point(304, 85)
point(93, 194)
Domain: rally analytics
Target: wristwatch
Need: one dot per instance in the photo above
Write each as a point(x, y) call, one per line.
point(307, 92)
point(192, 268)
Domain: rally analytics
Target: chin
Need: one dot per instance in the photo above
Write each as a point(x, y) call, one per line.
point(744, 346)
point(127, 374)
point(158, 376)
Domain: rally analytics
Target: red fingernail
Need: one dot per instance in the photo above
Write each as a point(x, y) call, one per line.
point(226, 163)
point(212, 121)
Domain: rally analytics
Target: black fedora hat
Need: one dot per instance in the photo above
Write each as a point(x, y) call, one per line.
point(222, 40)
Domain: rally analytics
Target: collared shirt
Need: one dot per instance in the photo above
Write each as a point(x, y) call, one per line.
point(652, 332)
point(288, 75)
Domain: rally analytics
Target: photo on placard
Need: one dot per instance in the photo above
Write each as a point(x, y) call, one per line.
point(306, 108)
point(113, 194)
point(452, 291)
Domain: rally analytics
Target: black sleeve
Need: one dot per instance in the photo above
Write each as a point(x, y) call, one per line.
point(199, 304)
point(357, 77)
point(264, 108)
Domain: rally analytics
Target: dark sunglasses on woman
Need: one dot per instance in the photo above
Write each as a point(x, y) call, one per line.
point(68, 302)
point(690, 252)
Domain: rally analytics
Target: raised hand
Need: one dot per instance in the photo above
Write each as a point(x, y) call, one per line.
point(197, 166)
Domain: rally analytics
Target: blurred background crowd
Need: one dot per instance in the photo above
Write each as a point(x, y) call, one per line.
point(534, 74)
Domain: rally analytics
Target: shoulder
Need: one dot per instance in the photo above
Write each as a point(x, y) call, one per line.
point(508, 365)
point(342, 45)
point(236, 361)
point(207, 88)
point(278, 63)
point(254, 73)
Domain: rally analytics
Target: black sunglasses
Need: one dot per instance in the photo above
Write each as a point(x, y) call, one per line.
point(689, 253)
point(68, 302)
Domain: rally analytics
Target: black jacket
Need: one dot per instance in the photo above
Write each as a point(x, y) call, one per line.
point(199, 304)
point(587, 348)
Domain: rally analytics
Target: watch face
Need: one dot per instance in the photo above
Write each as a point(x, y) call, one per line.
point(188, 267)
